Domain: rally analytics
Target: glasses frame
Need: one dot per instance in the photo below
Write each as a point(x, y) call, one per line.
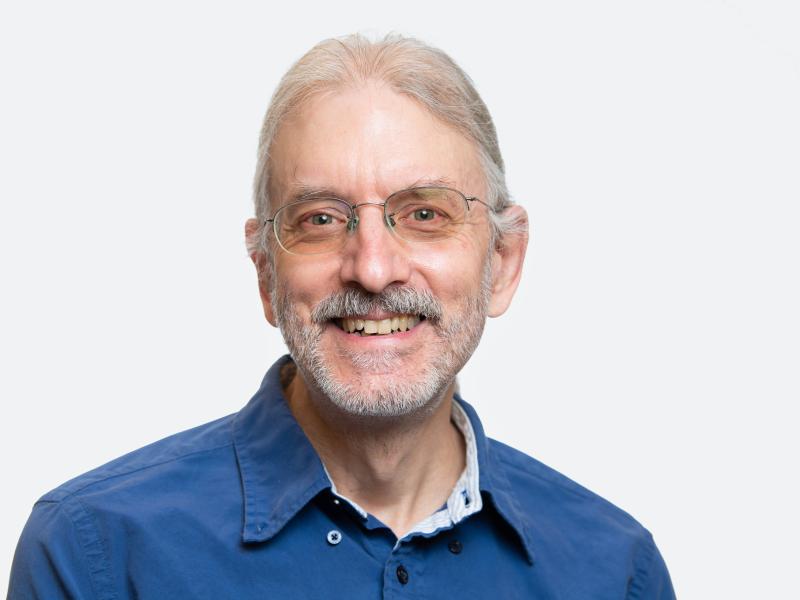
point(353, 220)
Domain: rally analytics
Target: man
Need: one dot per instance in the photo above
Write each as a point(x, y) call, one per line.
point(383, 238)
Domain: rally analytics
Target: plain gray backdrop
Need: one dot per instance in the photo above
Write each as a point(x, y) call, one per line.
point(651, 353)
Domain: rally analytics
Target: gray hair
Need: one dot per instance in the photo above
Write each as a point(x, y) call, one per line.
point(408, 66)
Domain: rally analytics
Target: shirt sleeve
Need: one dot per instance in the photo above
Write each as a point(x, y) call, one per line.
point(51, 557)
point(651, 580)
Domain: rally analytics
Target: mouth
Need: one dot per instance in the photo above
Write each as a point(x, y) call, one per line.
point(368, 327)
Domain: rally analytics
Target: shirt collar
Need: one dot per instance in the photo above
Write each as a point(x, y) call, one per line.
point(281, 472)
point(494, 483)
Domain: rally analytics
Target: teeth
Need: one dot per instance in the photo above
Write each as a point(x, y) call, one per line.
point(382, 327)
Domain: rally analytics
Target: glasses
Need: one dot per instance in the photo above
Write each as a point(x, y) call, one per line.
point(319, 225)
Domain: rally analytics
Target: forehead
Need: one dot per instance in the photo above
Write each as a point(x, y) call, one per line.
point(367, 142)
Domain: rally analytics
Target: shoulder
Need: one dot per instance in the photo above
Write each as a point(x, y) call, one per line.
point(75, 535)
point(558, 500)
point(160, 460)
point(577, 533)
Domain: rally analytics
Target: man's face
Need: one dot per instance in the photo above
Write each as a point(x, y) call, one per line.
point(362, 145)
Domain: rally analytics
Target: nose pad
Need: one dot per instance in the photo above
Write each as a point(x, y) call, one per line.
point(352, 223)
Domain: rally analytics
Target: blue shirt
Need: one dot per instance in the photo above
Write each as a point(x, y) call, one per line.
point(243, 508)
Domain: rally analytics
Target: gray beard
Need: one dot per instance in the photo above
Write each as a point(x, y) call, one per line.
point(457, 336)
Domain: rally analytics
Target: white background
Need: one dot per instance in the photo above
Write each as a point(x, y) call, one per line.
point(652, 350)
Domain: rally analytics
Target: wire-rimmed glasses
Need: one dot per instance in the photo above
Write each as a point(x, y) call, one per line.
point(319, 225)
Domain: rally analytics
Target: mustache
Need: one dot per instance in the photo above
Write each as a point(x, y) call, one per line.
point(352, 302)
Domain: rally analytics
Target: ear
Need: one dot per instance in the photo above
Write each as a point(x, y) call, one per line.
point(507, 260)
point(263, 271)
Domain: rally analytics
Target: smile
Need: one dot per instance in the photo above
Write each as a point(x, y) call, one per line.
point(363, 327)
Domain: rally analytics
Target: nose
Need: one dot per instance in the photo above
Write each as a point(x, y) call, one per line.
point(373, 257)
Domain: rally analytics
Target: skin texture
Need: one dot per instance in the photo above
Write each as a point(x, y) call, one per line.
point(364, 143)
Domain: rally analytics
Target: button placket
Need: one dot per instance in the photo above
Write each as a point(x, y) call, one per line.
point(403, 565)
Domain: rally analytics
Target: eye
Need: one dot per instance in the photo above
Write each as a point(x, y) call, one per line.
point(315, 216)
point(321, 219)
point(424, 214)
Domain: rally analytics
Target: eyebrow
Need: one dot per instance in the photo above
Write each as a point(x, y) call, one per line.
point(302, 191)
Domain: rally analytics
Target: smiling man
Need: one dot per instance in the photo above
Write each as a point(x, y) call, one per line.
point(383, 239)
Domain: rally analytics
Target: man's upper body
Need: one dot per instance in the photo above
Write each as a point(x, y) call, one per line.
point(384, 237)
point(243, 508)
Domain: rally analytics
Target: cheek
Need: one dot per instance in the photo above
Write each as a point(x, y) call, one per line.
point(306, 281)
point(453, 272)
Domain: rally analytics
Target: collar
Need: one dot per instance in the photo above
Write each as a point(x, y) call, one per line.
point(281, 472)
point(495, 485)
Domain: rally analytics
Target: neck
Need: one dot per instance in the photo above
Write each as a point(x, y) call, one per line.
point(401, 470)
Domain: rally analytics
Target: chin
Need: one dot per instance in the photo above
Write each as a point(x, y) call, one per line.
point(383, 396)
point(358, 366)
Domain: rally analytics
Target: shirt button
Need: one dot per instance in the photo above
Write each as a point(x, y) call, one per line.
point(336, 501)
point(402, 575)
point(455, 547)
point(334, 537)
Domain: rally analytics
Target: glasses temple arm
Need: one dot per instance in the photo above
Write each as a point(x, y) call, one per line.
point(476, 199)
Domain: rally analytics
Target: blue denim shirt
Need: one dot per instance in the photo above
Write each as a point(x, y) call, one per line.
point(242, 508)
